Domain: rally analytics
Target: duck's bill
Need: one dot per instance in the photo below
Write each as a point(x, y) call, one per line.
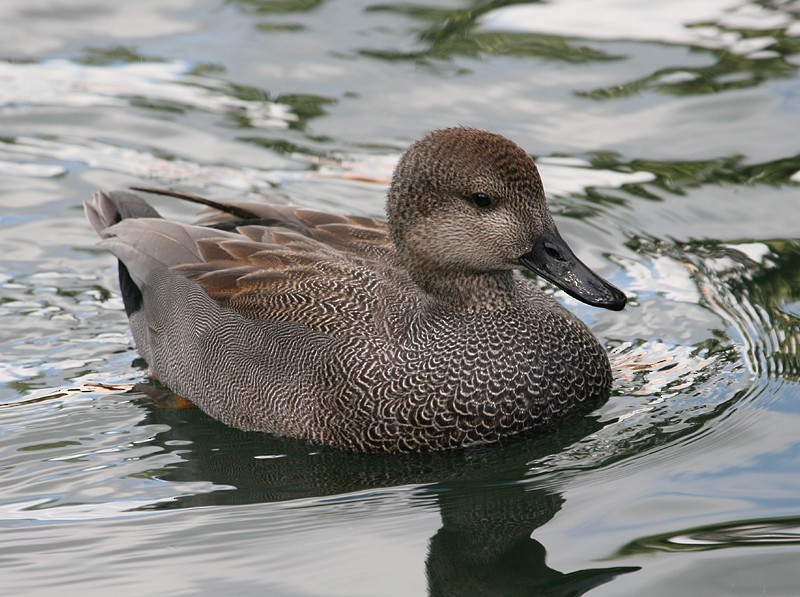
point(552, 259)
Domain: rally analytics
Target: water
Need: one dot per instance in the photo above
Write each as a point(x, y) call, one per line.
point(667, 139)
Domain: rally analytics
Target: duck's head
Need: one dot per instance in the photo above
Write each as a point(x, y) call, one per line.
point(466, 201)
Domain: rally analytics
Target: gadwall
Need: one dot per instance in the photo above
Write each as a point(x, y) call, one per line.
point(415, 334)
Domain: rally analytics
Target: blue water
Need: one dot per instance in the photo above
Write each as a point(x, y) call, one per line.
point(666, 135)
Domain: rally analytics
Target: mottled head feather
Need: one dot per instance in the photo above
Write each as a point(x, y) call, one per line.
point(438, 229)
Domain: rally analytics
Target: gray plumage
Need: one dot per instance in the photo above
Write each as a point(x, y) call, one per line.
point(416, 334)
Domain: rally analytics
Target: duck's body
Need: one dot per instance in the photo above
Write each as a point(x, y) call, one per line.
point(416, 335)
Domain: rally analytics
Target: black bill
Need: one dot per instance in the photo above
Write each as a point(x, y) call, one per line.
point(552, 259)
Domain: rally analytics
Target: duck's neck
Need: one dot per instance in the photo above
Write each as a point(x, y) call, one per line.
point(450, 286)
point(468, 291)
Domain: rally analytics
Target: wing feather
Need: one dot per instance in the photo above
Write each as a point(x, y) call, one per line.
point(267, 262)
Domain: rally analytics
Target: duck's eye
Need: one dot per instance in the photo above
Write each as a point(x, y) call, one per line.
point(482, 200)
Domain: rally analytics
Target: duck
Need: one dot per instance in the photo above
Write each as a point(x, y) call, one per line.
point(417, 333)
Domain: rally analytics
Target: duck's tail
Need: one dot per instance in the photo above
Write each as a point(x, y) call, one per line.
point(105, 210)
point(144, 242)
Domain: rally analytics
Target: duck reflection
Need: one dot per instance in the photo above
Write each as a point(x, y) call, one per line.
point(484, 546)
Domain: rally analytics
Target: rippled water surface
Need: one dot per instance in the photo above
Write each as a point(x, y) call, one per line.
point(668, 138)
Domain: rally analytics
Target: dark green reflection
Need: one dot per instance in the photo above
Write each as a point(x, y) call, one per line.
point(676, 177)
point(265, 7)
point(304, 106)
point(48, 446)
point(729, 72)
point(119, 54)
point(488, 508)
point(114, 55)
point(280, 27)
point(765, 532)
point(445, 45)
point(446, 34)
point(277, 8)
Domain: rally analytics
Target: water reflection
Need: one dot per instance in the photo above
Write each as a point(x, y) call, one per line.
point(484, 546)
point(488, 509)
point(741, 533)
point(756, 290)
point(263, 7)
point(750, 44)
point(446, 34)
point(748, 284)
